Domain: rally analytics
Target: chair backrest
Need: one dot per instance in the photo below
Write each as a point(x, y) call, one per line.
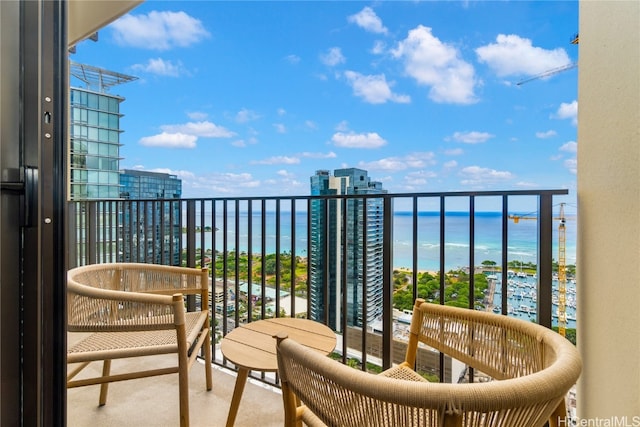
point(500, 346)
point(130, 296)
point(338, 395)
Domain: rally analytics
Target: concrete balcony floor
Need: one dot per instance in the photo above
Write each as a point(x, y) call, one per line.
point(153, 401)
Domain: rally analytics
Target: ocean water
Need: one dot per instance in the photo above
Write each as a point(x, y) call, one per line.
point(522, 247)
point(522, 239)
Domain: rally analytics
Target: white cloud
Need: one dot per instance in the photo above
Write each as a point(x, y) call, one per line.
point(514, 55)
point(333, 57)
point(358, 140)
point(450, 164)
point(343, 126)
point(246, 115)
point(570, 147)
point(204, 129)
point(378, 47)
point(169, 140)
point(524, 184)
point(410, 161)
point(374, 89)
point(292, 59)
point(568, 111)
point(418, 178)
point(473, 137)
point(182, 174)
point(310, 124)
point(161, 67)
point(280, 128)
point(158, 30)
point(547, 134)
point(281, 112)
point(329, 155)
point(438, 65)
point(197, 115)
point(244, 142)
point(369, 21)
point(571, 165)
point(283, 173)
point(387, 164)
point(476, 175)
point(278, 160)
point(454, 152)
point(209, 184)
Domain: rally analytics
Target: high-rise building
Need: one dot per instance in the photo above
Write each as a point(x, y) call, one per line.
point(139, 184)
point(346, 236)
point(94, 152)
point(94, 149)
point(151, 229)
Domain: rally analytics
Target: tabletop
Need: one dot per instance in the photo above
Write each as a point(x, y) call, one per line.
point(253, 347)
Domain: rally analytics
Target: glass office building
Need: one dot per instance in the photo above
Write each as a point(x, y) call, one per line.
point(138, 184)
point(94, 149)
point(94, 155)
point(151, 230)
point(346, 234)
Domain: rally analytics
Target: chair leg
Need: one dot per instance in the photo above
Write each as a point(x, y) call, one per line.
point(452, 420)
point(207, 360)
point(559, 415)
point(104, 387)
point(183, 386)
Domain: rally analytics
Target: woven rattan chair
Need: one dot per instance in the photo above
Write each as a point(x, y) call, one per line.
point(533, 368)
point(130, 310)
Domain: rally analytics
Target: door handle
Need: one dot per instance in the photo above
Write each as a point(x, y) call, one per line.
point(28, 190)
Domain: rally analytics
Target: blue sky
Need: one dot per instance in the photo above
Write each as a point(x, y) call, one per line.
point(251, 98)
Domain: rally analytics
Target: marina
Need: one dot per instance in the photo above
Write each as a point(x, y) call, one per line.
point(522, 298)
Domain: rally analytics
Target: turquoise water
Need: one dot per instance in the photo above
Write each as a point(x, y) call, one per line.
point(488, 238)
point(488, 243)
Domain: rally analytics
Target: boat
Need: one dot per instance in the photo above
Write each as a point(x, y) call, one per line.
point(524, 308)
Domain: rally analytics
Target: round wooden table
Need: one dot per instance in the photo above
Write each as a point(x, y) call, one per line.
point(252, 347)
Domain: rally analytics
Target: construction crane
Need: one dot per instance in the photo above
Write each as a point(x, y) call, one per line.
point(562, 274)
point(549, 73)
point(574, 40)
point(562, 268)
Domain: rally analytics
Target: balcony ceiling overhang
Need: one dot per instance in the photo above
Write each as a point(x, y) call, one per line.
point(84, 17)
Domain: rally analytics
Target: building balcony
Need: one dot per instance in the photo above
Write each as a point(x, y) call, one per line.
point(472, 237)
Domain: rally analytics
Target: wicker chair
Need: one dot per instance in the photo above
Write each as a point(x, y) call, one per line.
point(533, 368)
point(130, 310)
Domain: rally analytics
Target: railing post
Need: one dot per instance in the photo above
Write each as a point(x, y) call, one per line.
point(72, 235)
point(545, 258)
point(191, 246)
point(92, 232)
point(387, 284)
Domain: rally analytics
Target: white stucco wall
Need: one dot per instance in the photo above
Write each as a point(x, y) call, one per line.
point(609, 211)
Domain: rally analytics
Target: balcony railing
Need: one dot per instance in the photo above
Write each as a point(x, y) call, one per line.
point(333, 258)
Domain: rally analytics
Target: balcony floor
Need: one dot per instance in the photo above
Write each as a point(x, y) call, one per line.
point(153, 402)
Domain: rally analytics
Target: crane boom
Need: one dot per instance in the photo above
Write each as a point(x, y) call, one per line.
point(548, 73)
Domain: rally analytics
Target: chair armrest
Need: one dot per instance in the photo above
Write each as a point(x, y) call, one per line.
point(103, 310)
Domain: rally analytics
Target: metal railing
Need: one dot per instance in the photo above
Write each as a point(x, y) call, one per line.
point(329, 258)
